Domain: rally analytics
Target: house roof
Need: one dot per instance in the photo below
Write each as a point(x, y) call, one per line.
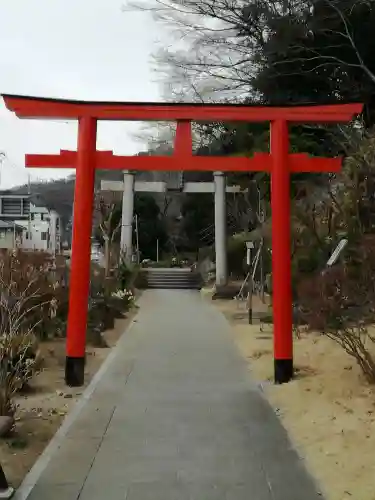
point(36, 199)
point(10, 225)
point(18, 193)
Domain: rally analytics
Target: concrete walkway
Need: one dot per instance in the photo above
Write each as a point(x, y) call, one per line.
point(174, 417)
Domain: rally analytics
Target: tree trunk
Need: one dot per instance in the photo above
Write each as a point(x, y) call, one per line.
point(107, 256)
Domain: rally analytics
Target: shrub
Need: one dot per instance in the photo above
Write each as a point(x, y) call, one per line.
point(18, 348)
point(206, 252)
point(236, 251)
point(32, 275)
point(341, 304)
point(125, 298)
point(18, 362)
point(107, 302)
point(126, 274)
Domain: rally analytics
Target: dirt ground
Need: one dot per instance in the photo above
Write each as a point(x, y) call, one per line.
point(328, 410)
point(42, 409)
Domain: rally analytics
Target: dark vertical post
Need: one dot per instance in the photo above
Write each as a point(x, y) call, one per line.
point(5, 490)
point(281, 265)
point(250, 299)
point(81, 253)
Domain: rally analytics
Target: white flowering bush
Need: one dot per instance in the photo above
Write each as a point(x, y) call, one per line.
point(125, 296)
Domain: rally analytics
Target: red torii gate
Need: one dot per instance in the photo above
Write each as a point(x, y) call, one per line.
point(279, 163)
point(259, 162)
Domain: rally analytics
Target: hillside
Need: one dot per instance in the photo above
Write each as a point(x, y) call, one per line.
point(59, 194)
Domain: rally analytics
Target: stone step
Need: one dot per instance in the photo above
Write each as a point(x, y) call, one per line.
point(172, 279)
point(169, 287)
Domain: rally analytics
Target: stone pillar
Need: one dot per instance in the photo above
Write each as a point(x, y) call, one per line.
point(53, 231)
point(220, 229)
point(127, 215)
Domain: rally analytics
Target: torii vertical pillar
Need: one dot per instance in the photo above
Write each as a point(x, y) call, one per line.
point(81, 252)
point(220, 229)
point(127, 216)
point(281, 259)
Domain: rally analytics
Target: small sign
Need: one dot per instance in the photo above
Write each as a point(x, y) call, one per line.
point(336, 253)
point(249, 247)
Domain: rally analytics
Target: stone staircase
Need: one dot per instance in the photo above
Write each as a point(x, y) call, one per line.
point(171, 278)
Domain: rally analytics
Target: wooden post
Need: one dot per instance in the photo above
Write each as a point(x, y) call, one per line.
point(137, 238)
point(250, 300)
point(281, 268)
point(81, 253)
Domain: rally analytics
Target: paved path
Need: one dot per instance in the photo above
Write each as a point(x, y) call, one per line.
point(175, 417)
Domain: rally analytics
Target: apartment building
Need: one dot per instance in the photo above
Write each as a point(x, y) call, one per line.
point(41, 225)
point(10, 235)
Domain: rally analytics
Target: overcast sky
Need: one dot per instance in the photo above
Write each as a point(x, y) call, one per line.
point(78, 49)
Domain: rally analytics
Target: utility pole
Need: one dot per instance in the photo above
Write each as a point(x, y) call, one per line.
point(2, 158)
point(29, 222)
point(137, 237)
point(249, 247)
point(262, 278)
point(261, 219)
point(157, 250)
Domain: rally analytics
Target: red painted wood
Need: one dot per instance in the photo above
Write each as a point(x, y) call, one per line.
point(281, 265)
point(81, 244)
point(106, 160)
point(183, 144)
point(279, 163)
point(34, 107)
point(66, 159)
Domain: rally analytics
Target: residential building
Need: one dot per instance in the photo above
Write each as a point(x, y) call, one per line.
point(41, 224)
point(10, 235)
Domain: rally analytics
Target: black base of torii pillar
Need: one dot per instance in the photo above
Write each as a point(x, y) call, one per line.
point(6, 491)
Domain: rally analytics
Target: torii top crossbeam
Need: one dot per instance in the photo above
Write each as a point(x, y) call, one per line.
point(279, 162)
point(40, 107)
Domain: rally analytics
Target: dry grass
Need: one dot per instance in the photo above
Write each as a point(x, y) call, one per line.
point(328, 410)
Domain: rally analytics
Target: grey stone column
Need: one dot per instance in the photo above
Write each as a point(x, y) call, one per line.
point(127, 215)
point(53, 231)
point(220, 229)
